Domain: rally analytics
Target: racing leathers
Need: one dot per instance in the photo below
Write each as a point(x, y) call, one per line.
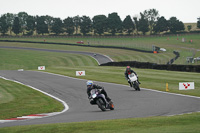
point(102, 90)
point(127, 72)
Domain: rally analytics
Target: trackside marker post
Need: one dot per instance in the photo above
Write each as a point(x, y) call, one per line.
point(186, 85)
point(41, 68)
point(80, 73)
point(167, 88)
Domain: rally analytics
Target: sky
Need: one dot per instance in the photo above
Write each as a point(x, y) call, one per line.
point(186, 11)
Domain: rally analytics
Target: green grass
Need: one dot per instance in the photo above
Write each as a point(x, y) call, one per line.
point(25, 59)
point(125, 55)
point(18, 100)
point(152, 79)
point(164, 41)
point(168, 42)
point(67, 64)
point(176, 124)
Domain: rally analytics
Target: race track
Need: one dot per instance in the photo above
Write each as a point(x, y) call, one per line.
point(128, 103)
point(101, 59)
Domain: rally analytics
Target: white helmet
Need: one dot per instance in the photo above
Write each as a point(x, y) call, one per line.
point(89, 82)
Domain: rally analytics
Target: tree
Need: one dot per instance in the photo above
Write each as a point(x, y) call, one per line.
point(30, 27)
point(151, 15)
point(49, 20)
point(99, 24)
point(77, 22)
point(3, 25)
point(41, 25)
point(9, 20)
point(161, 25)
point(189, 27)
point(69, 25)
point(136, 24)
point(128, 24)
point(175, 25)
point(22, 20)
point(86, 25)
point(198, 23)
point(16, 28)
point(143, 24)
point(57, 26)
point(114, 23)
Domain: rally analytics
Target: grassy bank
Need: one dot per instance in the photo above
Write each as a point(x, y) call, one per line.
point(12, 59)
point(67, 64)
point(18, 100)
point(181, 124)
point(133, 42)
point(170, 43)
point(125, 55)
point(152, 79)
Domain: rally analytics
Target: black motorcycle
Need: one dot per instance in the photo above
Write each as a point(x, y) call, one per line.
point(98, 98)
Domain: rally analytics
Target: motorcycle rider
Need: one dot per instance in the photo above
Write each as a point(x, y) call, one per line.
point(129, 71)
point(91, 85)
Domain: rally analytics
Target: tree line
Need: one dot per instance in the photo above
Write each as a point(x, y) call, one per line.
point(147, 21)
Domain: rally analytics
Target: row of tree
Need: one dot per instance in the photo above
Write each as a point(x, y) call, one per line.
point(148, 21)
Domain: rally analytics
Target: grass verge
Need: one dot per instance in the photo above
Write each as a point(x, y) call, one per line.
point(18, 100)
point(177, 124)
point(154, 79)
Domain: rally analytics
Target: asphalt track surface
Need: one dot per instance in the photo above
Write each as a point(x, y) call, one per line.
point(128, 103)
point(101, 59)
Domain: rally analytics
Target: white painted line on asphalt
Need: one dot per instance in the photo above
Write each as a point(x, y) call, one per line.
point(123, 85)
point(66, 107)
point(96, 60)
point(50, 114)
point(183, 113)
point(171, 93)
point(141, 89)
point(109, 58)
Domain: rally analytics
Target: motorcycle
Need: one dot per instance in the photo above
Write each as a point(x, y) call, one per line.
point(134, 81)
point(100, 100)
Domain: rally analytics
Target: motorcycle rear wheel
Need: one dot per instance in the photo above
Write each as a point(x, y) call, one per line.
point(111, 106)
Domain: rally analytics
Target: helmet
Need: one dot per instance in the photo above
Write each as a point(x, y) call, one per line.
point(128, 68)
point(89, 83)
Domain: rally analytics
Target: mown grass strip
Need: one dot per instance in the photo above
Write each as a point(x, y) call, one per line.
point(149, 78)
point(152, 79)
point(113, 53)
point(12, 59)
point(181, 124)
point(18, 100)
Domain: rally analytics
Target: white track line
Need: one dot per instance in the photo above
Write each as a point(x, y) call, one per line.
point(141, 88)
point(123, 85)
point(66, 107)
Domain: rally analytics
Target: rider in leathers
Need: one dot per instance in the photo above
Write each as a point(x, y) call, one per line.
point(91, 86)
point(127, 72)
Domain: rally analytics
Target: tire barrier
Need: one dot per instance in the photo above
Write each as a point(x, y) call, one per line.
point(175, 58)
point(83, 45)
point(147, 65)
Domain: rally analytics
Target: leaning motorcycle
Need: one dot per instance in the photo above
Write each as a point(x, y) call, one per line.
point(99, 99)
point(134, 81)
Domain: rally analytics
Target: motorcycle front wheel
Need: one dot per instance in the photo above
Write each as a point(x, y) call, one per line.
point(101, 104)
point(136, 86)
